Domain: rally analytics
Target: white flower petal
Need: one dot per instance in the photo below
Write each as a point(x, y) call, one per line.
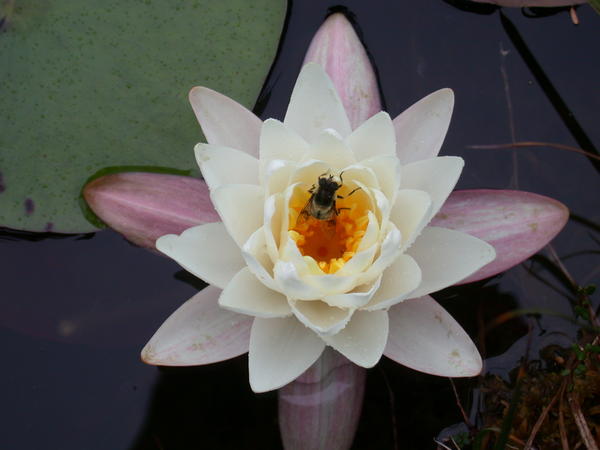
point(363, 339)
point(436, 176)
point(356, 298)
point(375, 137)
point(359, 262)
point(199, 332)
point(446, 257)
point(277, 176)
point(331, 149)
point(278, 141)
point(206, 250)
point(330, 284)
point(289, 252)
point(257, 258)
point(246, 295)
point(371, 233)
point(315, 105)
point(398, 280)
point(390, 250)
point(410, 213)
point(362, 174)
point(273, 212)
point(308, 172)
point(424, 337)
point(241, 209)
point(421, 129)
point(383, 207)
point(292, 283)
point(223, 165)
point(280, 351)
point(224, 121)
point(387, 169)
point(320, 317)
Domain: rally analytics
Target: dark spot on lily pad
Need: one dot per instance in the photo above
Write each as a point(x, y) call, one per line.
point(6, 10)
point(29, 207)
point(2, 186)
point(49, 227)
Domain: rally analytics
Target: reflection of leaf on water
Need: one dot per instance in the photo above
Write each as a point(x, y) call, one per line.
point(192, 280)
point(7, 234)
point(473, 7)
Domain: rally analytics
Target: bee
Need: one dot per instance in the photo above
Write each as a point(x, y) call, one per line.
point(322, 202)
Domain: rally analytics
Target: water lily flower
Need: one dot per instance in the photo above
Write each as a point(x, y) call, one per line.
point(286, 285)
point(310, 280)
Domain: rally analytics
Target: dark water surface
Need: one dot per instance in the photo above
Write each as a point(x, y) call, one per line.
point(76, 311)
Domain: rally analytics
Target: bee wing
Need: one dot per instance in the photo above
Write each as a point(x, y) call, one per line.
point(305, 213)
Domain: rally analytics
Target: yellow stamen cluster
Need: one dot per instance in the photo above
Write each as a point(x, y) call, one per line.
point(329, 243)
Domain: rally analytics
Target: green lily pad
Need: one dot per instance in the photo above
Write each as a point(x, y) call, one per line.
point(86, 85)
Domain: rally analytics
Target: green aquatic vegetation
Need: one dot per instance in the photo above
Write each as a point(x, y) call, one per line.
point(87, 85)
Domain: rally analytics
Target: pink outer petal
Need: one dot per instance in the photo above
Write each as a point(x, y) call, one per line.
point(145, 206)
point(338, 49)
point(516, 223)
point(320, 409)
point(224, 121)
point(523, 3)
point(199, 332)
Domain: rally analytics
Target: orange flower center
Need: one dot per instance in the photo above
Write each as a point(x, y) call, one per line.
point(329, 243)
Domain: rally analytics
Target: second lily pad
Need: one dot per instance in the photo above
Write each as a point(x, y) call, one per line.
point(87, 85)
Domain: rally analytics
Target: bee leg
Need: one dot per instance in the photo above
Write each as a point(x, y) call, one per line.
point(337, 211)
point(312, 189)
point(346, 196)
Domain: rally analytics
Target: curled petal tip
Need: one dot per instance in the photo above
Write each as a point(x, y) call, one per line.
point(144, 206)
point(338, 49)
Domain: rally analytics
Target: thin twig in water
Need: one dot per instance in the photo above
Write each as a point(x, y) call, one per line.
point(534, 144)
point(543, 415)
point(561, 266)
point(511, 123)
point(582, 425)
point(459, 404)
point(564, 441)
point(441, 444)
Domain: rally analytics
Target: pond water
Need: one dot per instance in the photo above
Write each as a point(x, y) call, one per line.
point(75, 311)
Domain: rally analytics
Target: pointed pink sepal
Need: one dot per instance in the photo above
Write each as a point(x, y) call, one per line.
point(516, 223)
point(321, 408)
point(145, 206)
point(338, 49)
point(199, 332)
